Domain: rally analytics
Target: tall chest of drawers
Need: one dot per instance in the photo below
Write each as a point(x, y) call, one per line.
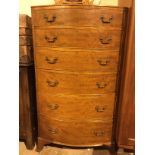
point(78, 55)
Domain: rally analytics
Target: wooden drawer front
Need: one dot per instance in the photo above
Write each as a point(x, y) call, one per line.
point(25, 31)
point(25, 40)
point(25, 54)
point(93, 61)
point(25, 21)
point(75, 133)
point(77, 107)
point(79, 38)
point(105, 17)
point(73, 83)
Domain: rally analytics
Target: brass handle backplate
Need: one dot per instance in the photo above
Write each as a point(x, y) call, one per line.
point(53, 106)
point(106, 40)
point(98, 133)
point(53, 83)
point(50, 40)
point(106, 20)
point(100, 108)
point(103, 62)
point(53, 131)
point(52, 60)
point(101, 84)
point(50, 20)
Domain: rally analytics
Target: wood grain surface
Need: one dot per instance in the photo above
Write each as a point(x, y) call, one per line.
point(75, 83)
point(25, 31)
point(104, 17)
point(79, 61)
point(77, 57)
point(77, 107)
point(126, 124)
point(67, 132)
point(67, 37)
point(25, 40)
point(27, 106)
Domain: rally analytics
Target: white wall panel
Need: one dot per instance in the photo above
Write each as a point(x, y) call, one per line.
point(25, 5)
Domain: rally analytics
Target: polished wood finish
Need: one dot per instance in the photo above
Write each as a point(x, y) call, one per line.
point(25, 21)
point(126, 123)
point(61, 16)
point(64, 107)
point(96, 61)
point(25, 31)
point(78, 52)
point(75, 83)
point(77, 60)
point(25, 40)
point(26, 54)
point(95, 39)
point(67, 132)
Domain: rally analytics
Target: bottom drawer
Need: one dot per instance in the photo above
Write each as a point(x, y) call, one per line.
point(75, 133)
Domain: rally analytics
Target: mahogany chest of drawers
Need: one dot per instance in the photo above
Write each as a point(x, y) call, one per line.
point(78, 55)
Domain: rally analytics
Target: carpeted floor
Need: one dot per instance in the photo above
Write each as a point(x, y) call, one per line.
point(63, 151)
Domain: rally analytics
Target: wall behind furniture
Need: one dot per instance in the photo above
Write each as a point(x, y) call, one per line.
point(25, 5)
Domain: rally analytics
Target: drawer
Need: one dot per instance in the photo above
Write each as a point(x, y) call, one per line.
point(82, 60)
point(25, 40)
point(24, 21)
point(104, 17)
point(25, 54)
point(75, 133)
point(77, 107)
point(25, 31)
point(78, 38)
point(74, 83)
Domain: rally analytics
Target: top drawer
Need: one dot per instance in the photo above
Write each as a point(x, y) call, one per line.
point(70, 16)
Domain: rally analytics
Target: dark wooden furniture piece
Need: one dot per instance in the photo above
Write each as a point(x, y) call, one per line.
point(78, 56)
point(27, 102)
point(25, 40)
point(126, 122)
point(26, 105)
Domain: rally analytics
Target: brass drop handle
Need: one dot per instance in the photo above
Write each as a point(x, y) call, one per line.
point(53, 83)
point(101, 84)
point(50, 20)
point(106, 20)
point(106, 40)
point(100, 108)
point(50, 40)
point(103, 62)
point(51, 61)
point(98, 133)
point(53, 131)
point(53, 106)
